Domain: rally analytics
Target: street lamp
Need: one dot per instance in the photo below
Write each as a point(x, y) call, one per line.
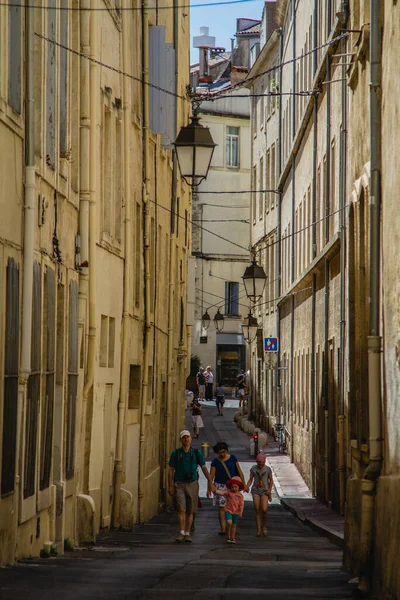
point(194, 149)
point(249, 328)
point(205, 320)
point(254, 279)
point(219, 321)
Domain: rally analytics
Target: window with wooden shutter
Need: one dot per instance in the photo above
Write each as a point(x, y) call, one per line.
point(11, 359)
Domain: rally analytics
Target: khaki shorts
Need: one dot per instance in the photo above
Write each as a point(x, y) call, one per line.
point(187, 496)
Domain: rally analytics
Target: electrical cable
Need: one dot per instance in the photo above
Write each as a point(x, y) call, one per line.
point(240, 192)
point(286, 237)
point(121, 9)
point(247, 222)
point(193, 98)
point(114, 69)
point(203, 97)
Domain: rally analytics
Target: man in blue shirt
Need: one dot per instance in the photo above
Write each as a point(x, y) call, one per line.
point(183, 482)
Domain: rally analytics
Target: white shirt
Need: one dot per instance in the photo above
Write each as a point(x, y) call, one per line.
point(210, 377)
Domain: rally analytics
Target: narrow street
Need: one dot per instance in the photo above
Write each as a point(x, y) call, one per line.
point(293, 561)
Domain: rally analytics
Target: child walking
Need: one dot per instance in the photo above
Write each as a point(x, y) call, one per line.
point(261, 478)
point(234, 506)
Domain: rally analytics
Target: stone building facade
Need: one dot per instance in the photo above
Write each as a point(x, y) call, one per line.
point(94, 245)
point(335, 377)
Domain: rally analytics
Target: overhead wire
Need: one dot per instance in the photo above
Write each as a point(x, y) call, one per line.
point(204, 97)
point(121, 9)
point(197, 98)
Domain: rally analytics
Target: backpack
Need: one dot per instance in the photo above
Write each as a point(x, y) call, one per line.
point(194, 453)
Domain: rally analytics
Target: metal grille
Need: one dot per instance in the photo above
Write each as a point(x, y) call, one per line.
point(32, 406)
point(48, 401)
point(72, 378)
point(10, 409)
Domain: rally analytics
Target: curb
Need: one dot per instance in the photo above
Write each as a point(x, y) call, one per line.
point(333, 536)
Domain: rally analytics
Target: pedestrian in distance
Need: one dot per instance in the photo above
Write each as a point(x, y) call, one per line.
point(241, 384)
point(234, 506)
point(261, 481)
point(209, 383)
point(201, 382)
point(183, 482)
point(220, 399)
point(222, 470)
point(197, 420)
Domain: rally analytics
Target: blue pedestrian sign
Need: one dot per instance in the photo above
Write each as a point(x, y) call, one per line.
point(271, 344)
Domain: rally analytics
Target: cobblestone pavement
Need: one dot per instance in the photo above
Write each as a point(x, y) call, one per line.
point(293, 561)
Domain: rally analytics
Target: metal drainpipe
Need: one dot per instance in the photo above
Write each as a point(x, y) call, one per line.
point(326, 402)
point(314, 293)
point(146, 239)
point(327, 181)
point(294, 70)
point(312, 384)
point(342, 197)
point(278, 390)
point(373, 470)
point(29, 202)
point(291, 379)
point(29, 243)
point(86, 279)
point(124, 388)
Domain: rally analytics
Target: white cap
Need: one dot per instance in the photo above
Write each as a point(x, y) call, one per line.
point(183, 433)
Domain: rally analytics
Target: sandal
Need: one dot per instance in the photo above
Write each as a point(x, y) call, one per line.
point(265, 532)
point(258, 534)
point(221, 532)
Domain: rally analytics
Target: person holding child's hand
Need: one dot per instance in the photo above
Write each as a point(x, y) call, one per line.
point(261, 478)
point(234, 506)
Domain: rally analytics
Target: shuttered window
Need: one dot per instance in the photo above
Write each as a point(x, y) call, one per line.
point(49, 313)
point(231, 298)
point(72, 379)
point(162, 75)
point(14, 55)
point(32, 406)
point(10, 408)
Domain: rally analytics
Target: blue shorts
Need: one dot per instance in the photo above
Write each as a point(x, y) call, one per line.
point(230, 517)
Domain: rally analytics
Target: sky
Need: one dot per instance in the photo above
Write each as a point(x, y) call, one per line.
point(221, 20)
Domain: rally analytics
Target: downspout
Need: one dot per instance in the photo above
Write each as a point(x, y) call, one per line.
point(123, 394)
point(145, 198)
point(279, 409)
point(312, 394)
point(29, 242)
point(293, 237)
point(326, 402)
point(314, 294)
point(86, 280)
point(291, 379)
point(294, 70)
point(29, 202)
point(327, 173)
point(294, 234)
point(292, 311)
point(373, 470)
point(342, 197)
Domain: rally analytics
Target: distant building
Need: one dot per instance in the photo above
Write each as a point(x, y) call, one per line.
point(220, 238)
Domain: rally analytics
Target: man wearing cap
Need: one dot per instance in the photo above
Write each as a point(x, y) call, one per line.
point(183, 482)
